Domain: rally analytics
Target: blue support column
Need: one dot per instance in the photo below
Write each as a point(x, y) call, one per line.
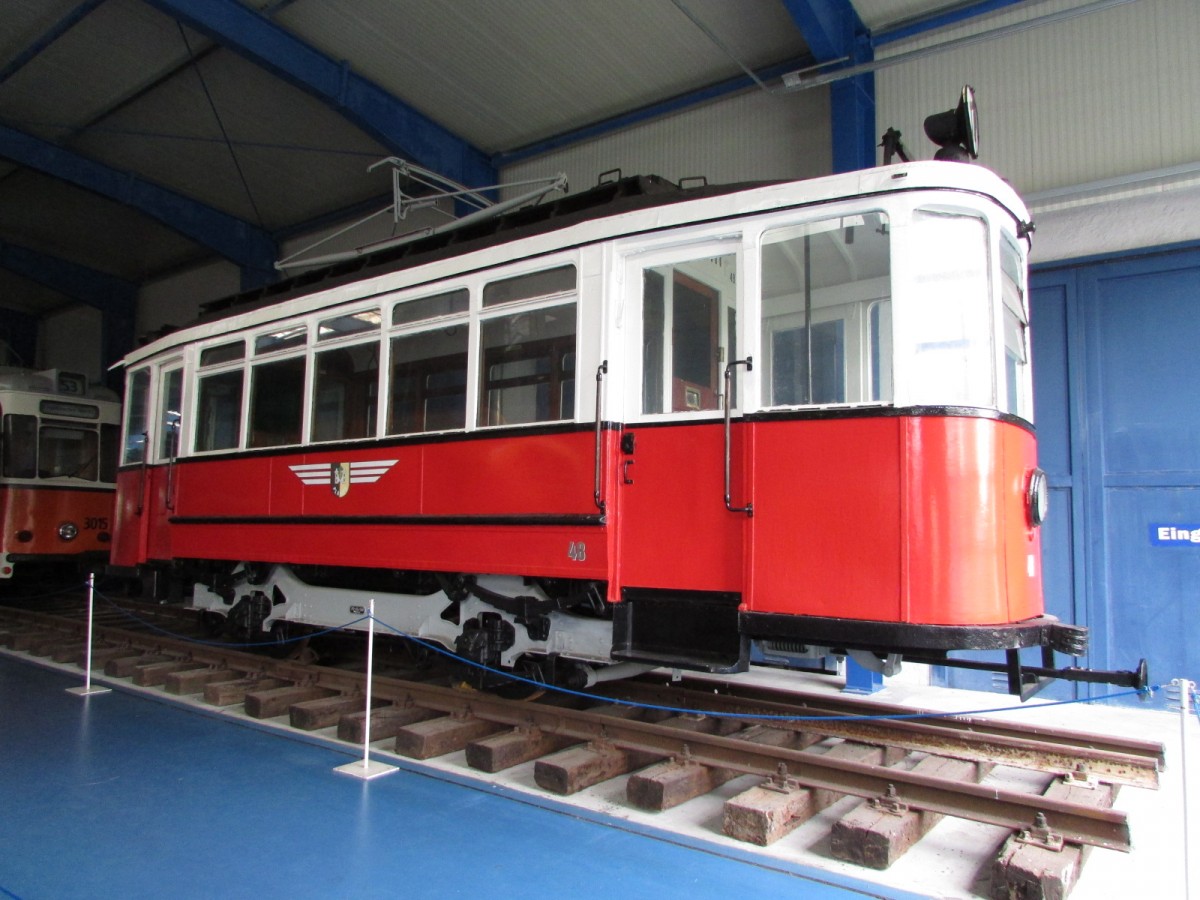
point(852, 114)
point(836, 35)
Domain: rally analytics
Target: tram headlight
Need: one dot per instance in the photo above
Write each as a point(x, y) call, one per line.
point(1037, 497)
point(68, 531)
point(956, 131)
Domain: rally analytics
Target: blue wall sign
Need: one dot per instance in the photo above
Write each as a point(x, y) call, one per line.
point(1174, 535)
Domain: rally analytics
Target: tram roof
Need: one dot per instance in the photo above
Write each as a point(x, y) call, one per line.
point(616, 198)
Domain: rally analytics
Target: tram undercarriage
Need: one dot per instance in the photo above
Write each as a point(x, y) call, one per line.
point(544, 630)
point(558, 631)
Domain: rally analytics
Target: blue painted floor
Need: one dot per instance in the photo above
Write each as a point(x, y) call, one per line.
point(119, 796)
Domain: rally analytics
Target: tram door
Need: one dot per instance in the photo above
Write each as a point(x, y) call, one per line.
point(164, 454)
point(153, 405)
point(682, 322)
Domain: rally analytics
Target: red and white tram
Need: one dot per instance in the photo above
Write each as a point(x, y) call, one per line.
point(639, 425)
point(58, 467)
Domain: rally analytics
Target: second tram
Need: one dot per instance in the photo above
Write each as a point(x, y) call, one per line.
point(58, 468)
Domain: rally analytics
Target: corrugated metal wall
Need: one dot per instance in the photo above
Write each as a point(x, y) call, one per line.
point(747, 137)
point(1097, 96)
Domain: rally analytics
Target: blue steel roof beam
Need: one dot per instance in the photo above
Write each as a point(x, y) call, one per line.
point(115, 297)
point(835, 34)
point(394, 123)
point(52, 34)
point(240, 242)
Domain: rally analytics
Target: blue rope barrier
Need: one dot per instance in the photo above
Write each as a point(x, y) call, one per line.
point(58, 592)
point(233, 645)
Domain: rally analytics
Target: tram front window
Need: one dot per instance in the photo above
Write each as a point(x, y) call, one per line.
point(948, 313)
point(65, 452)
point(20, 446)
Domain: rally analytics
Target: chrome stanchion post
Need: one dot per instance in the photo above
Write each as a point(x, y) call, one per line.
point(87, 688)
point(1186, 689)
point(367, 768)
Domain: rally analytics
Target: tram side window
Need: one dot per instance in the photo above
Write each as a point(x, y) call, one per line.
point(346, 393)
point(137, 401)
point(168, 418)
point(528, 367)
point(277, 402)
point(1018, 399)
point(826, 322)
point(429, 381)
point(20, 446)
point(683, 348)
point(527, 357)
point(219, 411)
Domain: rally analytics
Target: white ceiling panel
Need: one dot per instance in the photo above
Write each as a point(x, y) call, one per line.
point(232, 136)
point(119, 50)
point(506, 73)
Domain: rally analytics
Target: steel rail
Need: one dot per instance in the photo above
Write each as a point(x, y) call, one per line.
point(1059, 751)
point(1010, 809)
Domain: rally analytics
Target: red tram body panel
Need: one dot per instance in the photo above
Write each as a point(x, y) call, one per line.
point(40, 511)
point(904, 519)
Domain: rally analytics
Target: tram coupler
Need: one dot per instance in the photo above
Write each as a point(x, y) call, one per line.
point(1025, 680)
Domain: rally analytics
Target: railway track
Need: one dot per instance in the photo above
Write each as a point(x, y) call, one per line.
point(776, 758)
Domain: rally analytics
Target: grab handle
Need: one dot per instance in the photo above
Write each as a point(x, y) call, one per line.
point(601, 371)
point(748, 362)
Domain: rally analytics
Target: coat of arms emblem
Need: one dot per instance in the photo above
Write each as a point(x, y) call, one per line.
point(340, 475)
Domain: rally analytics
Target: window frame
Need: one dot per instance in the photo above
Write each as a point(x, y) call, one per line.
point(511, 309)
point(691, 246)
